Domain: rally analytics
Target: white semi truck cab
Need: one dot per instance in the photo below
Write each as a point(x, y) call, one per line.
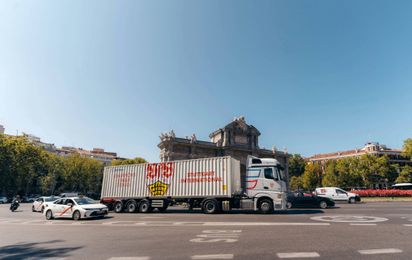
point(212, 184)
point(265, 181)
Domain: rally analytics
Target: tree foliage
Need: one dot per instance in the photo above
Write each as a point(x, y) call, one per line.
point(296, 183)
point(405, 175)
point(136, 160)
point(311, 178)
point(331, 176)
point(296, 165)
point(407, 148)
point(28, 169)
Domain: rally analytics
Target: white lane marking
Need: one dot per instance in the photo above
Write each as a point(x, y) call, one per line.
point(130, 258)
point(263, 224)
point(298, 255)
point(217, 236)
point(380, 251)
point(349, 218)
point(220, 256)
point(407, 225)
point(362, 224)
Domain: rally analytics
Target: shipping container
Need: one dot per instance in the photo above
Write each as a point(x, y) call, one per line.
point(209, 177)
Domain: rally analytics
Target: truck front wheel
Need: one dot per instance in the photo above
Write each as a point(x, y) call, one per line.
point(210, 206)
point(265, 206)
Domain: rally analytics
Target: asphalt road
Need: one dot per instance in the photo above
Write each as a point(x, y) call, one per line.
point(359, 231)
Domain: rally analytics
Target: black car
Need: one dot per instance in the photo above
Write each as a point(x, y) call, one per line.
point(306, 200)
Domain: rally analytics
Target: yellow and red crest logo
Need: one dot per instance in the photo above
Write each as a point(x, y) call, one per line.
point(158, 177)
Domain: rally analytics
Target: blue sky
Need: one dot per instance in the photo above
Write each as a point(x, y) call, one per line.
point(312, 76)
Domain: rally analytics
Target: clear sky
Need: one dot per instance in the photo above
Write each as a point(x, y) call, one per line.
point(312, 76)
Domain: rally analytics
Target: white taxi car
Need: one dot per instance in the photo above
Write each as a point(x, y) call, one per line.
point(40, 203)
point(75, 208)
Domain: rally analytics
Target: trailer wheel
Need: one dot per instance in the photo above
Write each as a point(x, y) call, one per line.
point(131, 206)
point(118, 207)
point(265, 206)
point(210, 206)
point(144, 206)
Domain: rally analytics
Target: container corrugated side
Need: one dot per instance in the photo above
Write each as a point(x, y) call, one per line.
point(208, 177)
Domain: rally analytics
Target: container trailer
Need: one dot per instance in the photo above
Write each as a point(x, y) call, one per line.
point(212, 184)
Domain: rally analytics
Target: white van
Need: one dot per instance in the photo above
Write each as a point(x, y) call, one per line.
point(337, 194)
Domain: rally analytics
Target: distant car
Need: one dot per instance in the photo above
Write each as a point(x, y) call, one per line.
point(3, 200)
point(31, 198)
point(75, 208)
point(305, 200)
point(68, 194)
point(402, 186)
point(337, 194)
point(40, 203)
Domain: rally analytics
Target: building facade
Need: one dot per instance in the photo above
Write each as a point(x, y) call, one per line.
point(237, 139)
point(37, 141)
point(395, 155)
point(97, 153)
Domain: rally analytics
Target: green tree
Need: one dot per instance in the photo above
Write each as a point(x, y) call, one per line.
point(373, 169)
point(330, 178)
point(81, 174)
point(136, 160)
point(21, 163)
point(311, 178)
point(405, 175)
point(296, 165)
point(407, 148)
point(296, 183)
point(348, 172)
point(50, 182)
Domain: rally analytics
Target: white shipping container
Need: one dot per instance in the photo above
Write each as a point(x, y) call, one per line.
point(197, 178)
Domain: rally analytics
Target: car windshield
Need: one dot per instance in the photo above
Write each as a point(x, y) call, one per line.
point(84, 201)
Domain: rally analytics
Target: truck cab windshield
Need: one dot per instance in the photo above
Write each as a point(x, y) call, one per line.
point(280, 172)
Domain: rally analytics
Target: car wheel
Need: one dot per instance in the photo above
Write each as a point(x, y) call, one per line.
point(352, 200)
point(49, 215)
point(131, 206)
point(76, 215)
point(323, 204)
point(144, 206)
point(265, 206)
point(289, 205)
point(32, 209)
point(118, 207)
